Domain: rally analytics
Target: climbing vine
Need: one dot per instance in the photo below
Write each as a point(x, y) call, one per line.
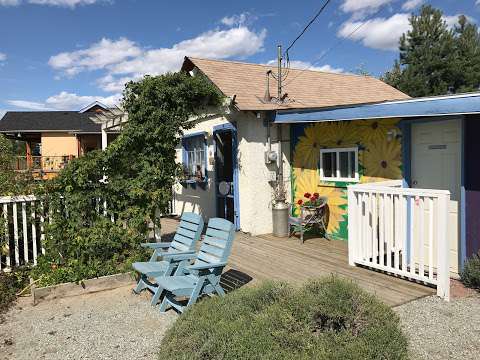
point(100, 205)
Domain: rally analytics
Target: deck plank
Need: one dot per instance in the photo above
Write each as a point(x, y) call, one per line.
point(267, 257)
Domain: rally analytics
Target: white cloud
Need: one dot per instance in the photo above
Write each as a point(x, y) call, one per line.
point(411, 4)
point(3, 57)
point(235, 19)
point(2, 112)
point(357, 5)
point(99, 55)
point(298, 64)
point(378, 33)
point(61, 3)
point(65, 101)
point(452, 20)
point(124, 60)
point(9, 2)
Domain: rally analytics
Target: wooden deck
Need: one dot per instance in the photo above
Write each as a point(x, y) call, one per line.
point(266, 257)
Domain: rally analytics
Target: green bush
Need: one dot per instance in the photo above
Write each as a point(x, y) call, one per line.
point(470, 274)
point(103, 248)
point(325, 319)
point(10, 284)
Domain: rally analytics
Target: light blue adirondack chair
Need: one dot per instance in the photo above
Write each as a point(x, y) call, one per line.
point(188, 233)
point(203, 277)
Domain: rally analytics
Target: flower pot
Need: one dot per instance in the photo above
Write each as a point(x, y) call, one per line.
point(280, 219)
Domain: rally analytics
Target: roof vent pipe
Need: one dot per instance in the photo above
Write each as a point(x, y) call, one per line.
point(267, 96)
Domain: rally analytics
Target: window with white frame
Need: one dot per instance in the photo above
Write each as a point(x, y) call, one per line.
point(339, 164)
point(194, 157)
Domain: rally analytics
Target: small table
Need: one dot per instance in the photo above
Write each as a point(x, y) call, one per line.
point(310, 217)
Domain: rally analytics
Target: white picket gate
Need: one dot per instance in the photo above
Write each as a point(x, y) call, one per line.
point(401, 231)
point(23, 220)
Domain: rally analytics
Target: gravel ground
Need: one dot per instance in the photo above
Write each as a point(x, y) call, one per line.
point(112, 324)
point(442, 330)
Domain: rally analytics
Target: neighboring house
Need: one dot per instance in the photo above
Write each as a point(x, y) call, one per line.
point(427, 143)
point(53, 138)
point(224, 156)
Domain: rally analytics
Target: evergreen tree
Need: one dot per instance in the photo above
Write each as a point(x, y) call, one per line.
point(468, 56)
point(434, 58)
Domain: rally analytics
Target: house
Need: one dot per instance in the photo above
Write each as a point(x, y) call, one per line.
point(227, 157)
point(52, 138)
point(426, 146)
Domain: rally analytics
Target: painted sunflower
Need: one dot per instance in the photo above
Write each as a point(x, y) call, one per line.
point(323, 135)
point(307, 180)
point(382, 159)
point(307, 150)
point(376, 130)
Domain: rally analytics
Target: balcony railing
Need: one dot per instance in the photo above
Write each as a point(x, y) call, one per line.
point(42, 163)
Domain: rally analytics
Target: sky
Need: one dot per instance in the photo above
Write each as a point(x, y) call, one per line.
point(65, 54)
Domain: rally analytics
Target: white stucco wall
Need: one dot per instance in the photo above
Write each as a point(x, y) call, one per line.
point(255, 192)
point(199, 200)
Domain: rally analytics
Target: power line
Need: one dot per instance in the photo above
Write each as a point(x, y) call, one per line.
point(308, 25)
point(338, 43)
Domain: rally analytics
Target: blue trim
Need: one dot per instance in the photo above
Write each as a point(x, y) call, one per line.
point(236, 198)
point(406, 129)
point(436, 106)
point(193, 183)
point(198, 133)
point(226, 126)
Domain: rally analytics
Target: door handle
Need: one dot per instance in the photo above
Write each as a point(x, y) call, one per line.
point(414, 182)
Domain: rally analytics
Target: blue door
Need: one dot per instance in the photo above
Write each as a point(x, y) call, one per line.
point(226, 173)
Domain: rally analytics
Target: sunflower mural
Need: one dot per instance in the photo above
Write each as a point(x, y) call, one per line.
point(379, 156)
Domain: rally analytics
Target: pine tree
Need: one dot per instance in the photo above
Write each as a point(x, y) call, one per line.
point(468, 56)
point(435, 59)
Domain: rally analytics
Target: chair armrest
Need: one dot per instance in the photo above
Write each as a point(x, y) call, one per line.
point(179, 256)
point(206, 266)
point(155, 245)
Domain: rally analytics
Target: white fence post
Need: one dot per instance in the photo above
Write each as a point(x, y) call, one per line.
point(387, 228)
point(443, 248)
point(352, 226)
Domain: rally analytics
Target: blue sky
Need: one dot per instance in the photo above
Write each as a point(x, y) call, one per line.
point(64, 54)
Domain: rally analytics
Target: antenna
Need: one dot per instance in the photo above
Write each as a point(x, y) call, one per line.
point(279, 73)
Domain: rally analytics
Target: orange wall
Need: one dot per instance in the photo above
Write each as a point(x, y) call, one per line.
point(57, 144)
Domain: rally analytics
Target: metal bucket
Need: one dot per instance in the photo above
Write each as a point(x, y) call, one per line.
point(280, 219)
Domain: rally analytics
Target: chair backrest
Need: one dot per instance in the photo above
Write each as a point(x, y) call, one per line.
point(217, 243)
point(188, 233)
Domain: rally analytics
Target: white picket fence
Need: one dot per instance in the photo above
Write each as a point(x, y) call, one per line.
point(401, 231)
point(23, 219)
point(22, 229)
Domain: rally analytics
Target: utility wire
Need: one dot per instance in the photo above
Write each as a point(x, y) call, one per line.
point(308, 25)
point(338, 43)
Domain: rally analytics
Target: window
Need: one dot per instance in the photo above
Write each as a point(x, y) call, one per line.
point(194, 157)
point(339, 164)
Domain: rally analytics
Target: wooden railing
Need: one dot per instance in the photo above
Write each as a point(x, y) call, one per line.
point(42, 163)
point(401, 231)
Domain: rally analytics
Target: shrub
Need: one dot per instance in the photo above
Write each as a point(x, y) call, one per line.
point(470, 274)
point(325, 319)
point(10, 284)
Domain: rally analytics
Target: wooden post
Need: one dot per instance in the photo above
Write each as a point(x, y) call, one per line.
point(29, 155)
point(104, 139)
point(443, 249)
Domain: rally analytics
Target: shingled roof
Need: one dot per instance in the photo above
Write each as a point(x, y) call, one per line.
point(305, 89)
point(44, 121)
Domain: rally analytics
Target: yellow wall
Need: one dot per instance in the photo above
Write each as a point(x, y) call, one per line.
point(379, 160)
point(58, 144)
